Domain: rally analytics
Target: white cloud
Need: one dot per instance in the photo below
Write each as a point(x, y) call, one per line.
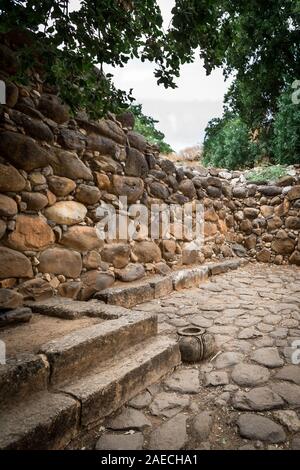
point(184, 112)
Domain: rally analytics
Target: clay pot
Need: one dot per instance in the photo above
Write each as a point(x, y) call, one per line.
point(195, 344)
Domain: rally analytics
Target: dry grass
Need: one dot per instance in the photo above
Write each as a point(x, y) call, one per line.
point(189, 154)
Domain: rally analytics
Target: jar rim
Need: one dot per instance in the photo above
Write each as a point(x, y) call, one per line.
point(191, 331)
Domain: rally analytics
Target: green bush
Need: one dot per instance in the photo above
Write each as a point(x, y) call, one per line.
point(145, 125)
point(286, 134)
point(227, 144)
point(268, 173)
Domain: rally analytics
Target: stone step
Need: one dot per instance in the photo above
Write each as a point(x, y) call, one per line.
point(21, 376)
point(51, 419)
point(105, 390)
point(45, 421)
point(74, 354)
point(69, 309)
point(158, 286)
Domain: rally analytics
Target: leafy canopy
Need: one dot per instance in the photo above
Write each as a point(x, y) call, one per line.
point(69, 44)
point(257, 42)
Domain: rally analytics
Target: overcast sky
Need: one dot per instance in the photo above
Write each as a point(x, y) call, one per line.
point(183, 113)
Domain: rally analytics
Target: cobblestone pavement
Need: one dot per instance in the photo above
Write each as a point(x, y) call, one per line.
point(248, 397)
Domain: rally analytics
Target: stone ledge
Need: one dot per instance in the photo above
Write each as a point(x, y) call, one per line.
point(159, 286)
point(23, 375)
point(104, 392)
point(47, 421)
point(79, 351)
point(63, 307)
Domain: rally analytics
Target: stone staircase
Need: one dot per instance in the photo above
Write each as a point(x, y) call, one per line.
point(74, 382)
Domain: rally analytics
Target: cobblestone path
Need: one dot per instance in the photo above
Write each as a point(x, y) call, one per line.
point(248, 397)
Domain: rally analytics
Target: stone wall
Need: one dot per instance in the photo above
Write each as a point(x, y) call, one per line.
point(56, 170)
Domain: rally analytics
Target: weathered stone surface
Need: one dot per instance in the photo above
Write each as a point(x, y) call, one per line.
point(66, 212)
point(104, 146)
point(68, 165)
point(61, 261)
point(128, 186)
point(22, 151)
point(129, 419)
point(168, 404)
point(12, 93)
point(31, 233)
point(283, 246)
point(33, 127)
point(70, 289)
point(264, 255)
point(141, 400)
point(228, 359)
point(111, 130)
point(18, 315)
point(295, 258)
point(8, 60)
point(127, 296)
point(201, 425)
point(216, 379)
point(89, 195)
point(292, 223)
point(36, 289)
point(147, 252)
point(10, 179)
point(92, 260)
point(290, 373)
point(106, 164)
point(294, 193)
point(2, 228)
point(249, 375)
point(49, 421)
point(167, 166)
point(10, 299)
point(21, 376)
point(81, 238)
point(52, 107)
point(249, 333)
point(164, 437)
point(201, 321)
point(188, 189)
point(269, 190)
point(296, 442)
point(268, 357)
point(289, 392)
point(14, 264)
point(257, 399)
point(258, 427)
point(159, 190)
point(117, 254)
point(110, 441)
point(184, 381)
point(71, 139)
point(136, 164)
point(8, 206)
point(95, 281)
point(137, 141)
point(35, 201)
point(132, 272)
point(100, 395)
point(127, 119)
point(103, 181)
point(60, 185)
point(289, 419)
